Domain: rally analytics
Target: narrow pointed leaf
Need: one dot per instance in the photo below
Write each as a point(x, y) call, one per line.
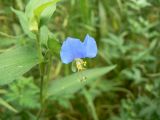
point(24, 22)
point(45, 11)
point(8, 106)
point(74, 82)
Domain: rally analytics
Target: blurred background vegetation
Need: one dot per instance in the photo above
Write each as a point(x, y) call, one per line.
point(127, 34)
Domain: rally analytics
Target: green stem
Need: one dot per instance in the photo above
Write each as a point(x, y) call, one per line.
point(49, 68)
point(44, 85)
point(48, 71)
point(90, 103)
point(40, 68)
point(40, 72)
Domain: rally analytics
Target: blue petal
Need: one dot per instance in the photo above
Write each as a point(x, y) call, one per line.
point(90, 47)
point(72, 49)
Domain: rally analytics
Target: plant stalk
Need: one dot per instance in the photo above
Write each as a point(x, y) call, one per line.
point(90, 104)
point(40, 68)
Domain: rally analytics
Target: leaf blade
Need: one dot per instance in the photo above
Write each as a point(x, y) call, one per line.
point(8, 106)
point(45, 10)
point(15, 62)
point(71, 84)
point(24, 22)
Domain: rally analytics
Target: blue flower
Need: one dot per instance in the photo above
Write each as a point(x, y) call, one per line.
point(73, 49)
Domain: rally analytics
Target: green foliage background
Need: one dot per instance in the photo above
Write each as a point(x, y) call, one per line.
point(128, 39)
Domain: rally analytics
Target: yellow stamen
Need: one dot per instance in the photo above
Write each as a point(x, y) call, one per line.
point(80, 64)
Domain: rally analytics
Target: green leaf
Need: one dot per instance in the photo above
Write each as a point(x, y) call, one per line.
point(31, 5)
point(24, 22)
point(73, 83)
point(54, 45)
point(8, 106)
point(15, 62)
point(7, 42)
point(24, 93)
point(47, 14)
point(45, 11)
